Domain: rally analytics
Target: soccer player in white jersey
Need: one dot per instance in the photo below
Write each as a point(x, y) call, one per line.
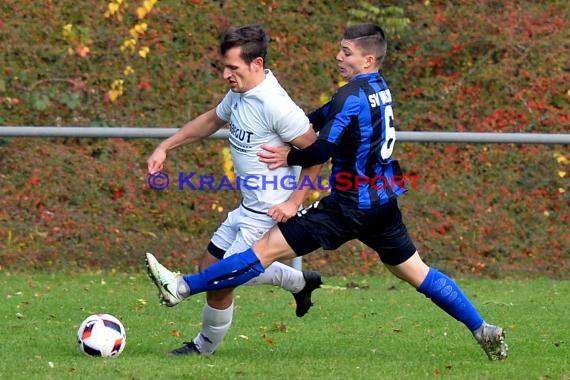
point(259, 111)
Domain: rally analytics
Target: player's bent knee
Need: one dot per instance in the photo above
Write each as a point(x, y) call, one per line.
point(272, 247)
point(413, 270)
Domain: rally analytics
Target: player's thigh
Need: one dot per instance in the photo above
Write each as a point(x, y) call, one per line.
point(387, 235)
point(226, 233)
point(323, 225)
point(251, 229)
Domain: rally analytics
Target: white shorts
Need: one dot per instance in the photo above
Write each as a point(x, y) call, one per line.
point(240, 230)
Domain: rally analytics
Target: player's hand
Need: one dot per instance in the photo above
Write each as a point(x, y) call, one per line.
point(274, 156)
point(155, 162)
point(283, 211)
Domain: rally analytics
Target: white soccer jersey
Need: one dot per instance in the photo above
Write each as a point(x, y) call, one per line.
point(263, 115)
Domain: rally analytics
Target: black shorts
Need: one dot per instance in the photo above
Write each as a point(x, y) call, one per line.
point(328, 224)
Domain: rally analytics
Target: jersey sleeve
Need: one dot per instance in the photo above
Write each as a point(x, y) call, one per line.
point(224, 108)
point(317, 153)
point(288, 120)
point(342, 108)
point(318, 117)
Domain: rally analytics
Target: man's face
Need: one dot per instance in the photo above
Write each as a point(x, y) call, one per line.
point(351, 60)
point(241, 76)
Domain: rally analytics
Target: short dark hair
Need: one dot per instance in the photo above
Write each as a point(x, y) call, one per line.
point(251, 39)
point(371, 38)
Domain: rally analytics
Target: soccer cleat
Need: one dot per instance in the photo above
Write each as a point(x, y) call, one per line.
point(165, 280)
point(303, 298)
point(492, 340)
point(189, 348)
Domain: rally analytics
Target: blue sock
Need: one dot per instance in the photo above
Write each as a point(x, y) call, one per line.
point(227, 273)
point(445, 293)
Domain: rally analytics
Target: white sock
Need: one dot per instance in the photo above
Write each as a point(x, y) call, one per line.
point(279, 274)
point(182, 288)
point(478, 334)
point(215, 325)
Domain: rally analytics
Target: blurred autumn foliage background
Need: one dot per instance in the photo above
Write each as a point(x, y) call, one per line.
point(84, 204)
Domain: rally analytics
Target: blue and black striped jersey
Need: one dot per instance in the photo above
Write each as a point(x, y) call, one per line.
point(359, 121)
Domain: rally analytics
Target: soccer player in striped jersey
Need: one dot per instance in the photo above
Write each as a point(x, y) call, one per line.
point(357, 131)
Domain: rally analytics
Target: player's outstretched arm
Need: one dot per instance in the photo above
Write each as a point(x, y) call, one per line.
point(315, 154)
point(288, 209)
point(196, 129)
point(274, 156)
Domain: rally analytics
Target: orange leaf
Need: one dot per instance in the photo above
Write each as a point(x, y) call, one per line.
point(82, 50)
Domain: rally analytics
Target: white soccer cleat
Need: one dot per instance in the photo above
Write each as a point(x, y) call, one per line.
point(165, 280)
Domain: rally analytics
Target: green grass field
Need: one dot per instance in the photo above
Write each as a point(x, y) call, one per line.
point(381, 329)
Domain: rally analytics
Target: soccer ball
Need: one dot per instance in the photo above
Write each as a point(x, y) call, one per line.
point(101, 335)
